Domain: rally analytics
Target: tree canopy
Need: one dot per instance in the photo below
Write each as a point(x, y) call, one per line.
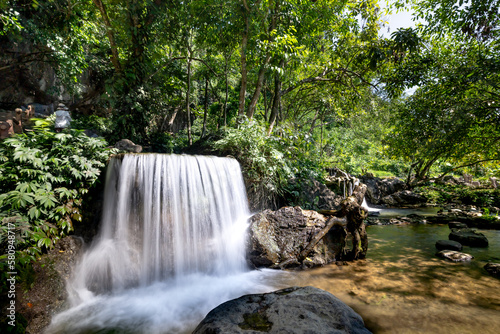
point(169, 73)
point(453, 116)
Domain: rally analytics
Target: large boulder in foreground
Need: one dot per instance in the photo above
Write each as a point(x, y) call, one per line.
point(292, 310)
point(278, 238)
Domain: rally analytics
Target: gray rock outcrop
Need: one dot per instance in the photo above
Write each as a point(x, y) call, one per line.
point(403, 197)
point(390, 192)
point(293, 311)
point(129, 146)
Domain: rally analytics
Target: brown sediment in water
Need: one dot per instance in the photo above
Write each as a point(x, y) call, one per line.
point(413, 293)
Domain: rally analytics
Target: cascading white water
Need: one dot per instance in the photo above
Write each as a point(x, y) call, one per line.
point(171, 247)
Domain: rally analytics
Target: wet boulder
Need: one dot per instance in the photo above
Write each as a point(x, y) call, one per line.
point(403, 197)
point(128, 146)
point(468, 237)
point(448, 245)
point(293, 310)
point(279, 238)
point(493, 269)
point(454, 256)
point(48, 295)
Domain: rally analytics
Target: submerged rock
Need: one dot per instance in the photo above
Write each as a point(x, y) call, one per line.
point(468, 237)
point(454, 256)
point(292, 310)
point(448, 245)
point(493, 269)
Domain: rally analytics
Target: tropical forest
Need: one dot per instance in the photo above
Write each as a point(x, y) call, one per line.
point(245, 166)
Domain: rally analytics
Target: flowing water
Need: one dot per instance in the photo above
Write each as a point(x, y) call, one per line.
point(171, 249)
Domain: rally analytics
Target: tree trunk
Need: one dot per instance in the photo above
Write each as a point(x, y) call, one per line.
point(355, 215)
point(115, 59)
point(206, 110)
point(188, 97)
point(243, 89)
point(276, 100)
point(227, 92)
point(258, 88)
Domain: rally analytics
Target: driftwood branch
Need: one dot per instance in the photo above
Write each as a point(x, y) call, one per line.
point(329, 224)
point(310, 246)
point(330, 212)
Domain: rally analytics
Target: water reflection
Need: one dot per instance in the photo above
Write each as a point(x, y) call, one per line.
point(404, 288)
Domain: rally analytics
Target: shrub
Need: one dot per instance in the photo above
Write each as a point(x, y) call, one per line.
point(43, 176)
point(265, 167)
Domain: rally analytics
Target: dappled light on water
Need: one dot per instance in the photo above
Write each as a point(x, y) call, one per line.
point(403, 288)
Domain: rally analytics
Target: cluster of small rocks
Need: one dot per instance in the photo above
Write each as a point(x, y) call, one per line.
point(460, 235)
point(468, 181)
point(471, 215)
point(401, 220)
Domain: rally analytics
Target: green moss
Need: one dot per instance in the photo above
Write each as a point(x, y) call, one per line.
point(256, 321)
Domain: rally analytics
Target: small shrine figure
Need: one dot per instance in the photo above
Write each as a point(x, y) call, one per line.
point(31, 111)
point(63, 118)
point(6, 125)
point(17, 120)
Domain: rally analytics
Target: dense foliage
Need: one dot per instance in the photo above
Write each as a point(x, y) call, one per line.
point(43, 176)
point(447, 193)
point(454, 115)
point(312, 82)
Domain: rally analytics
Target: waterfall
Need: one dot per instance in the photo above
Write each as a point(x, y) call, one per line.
point(172, 237)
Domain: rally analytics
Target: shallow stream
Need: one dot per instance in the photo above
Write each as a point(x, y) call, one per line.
point(402, 287)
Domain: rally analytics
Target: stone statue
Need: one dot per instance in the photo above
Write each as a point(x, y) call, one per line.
point(63, 118)
point(6, 125)
point(17, 120)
